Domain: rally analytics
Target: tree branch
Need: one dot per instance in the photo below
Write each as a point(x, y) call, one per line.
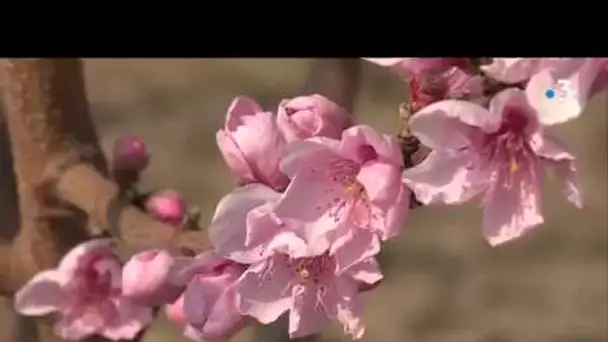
point(55, 147)
point(83, 186)
point(34, 114)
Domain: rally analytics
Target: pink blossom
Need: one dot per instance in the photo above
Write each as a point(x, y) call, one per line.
point(434, 79)
point(501, 152)
point(310, 289)
point(246, 229)
point(167, 206)
point(85, 289)
point(130, 153)
point(309, 116)
point(147, 278)
point(574, 81)
point(239, 215)
point(210, 301)
point(516, 70)
point(453, 83)
point(341, 186)
point(252, 144)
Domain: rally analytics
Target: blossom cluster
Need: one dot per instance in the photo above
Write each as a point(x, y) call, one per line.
point(318, 195)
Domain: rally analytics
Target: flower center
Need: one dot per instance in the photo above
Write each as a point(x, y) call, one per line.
point(366, 153)
point(312, 269)
point(508, 149)
point(347, 190)
point(97, 278)
point(426, 89)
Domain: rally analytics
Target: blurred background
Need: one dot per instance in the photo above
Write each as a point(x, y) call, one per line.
point(443, 281)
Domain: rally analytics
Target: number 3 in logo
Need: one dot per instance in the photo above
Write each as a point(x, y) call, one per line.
point(564, 90)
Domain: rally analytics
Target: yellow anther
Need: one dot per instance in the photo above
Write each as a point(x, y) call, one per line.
point(354, 188)
point(514, 166)
point(304, 273)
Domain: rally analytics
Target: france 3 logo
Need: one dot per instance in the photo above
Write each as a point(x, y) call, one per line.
point(561, 91)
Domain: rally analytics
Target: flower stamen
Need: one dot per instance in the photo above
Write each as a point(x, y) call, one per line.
point(514, 166)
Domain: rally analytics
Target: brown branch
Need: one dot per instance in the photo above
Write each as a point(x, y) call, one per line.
point(82, 185)
point(34, 111)
point(54, 147)
point(336, 79)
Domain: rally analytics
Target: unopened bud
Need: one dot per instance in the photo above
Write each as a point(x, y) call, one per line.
point(130, 153)
point(167, 206)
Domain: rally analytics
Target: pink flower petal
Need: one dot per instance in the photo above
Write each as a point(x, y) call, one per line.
point(228, 229)
point(146, 274)
point(303, 153)
point(193, 334)
point(563, 164)
point(366, 271)
point(41, 295)
point(234, 157)
point(445, 125)
point(571, 100)
point(386, 148)
point(262, 145)
point(397, 214)
point(512, 99)
point(311, 181)
point(306, 317)
point(342, 302)
point(308, 116)
point(225, 319)
point(131, 319)
point(70, 262)
point(240, 107)
point(200, 297)
point(566, 171)
point(381, 182)
point(77, 328)
point(512, 70)
point(252, 144)
point(443, 177)
point(265, 291)
point(462, 85)
point(353, 247)
point(386, 62)
point(269, 235)
point(509, 212)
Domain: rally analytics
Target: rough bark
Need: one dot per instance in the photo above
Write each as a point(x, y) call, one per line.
point(60, 176)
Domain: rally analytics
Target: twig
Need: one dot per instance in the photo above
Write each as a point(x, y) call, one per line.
point(35, 112)
point(83, 186)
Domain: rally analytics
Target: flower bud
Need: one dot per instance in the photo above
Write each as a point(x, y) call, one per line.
point(130, 153)
point(309, 116)
point(146, 278)
point(211, 301)
point(167, 206)
point(252, 144)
